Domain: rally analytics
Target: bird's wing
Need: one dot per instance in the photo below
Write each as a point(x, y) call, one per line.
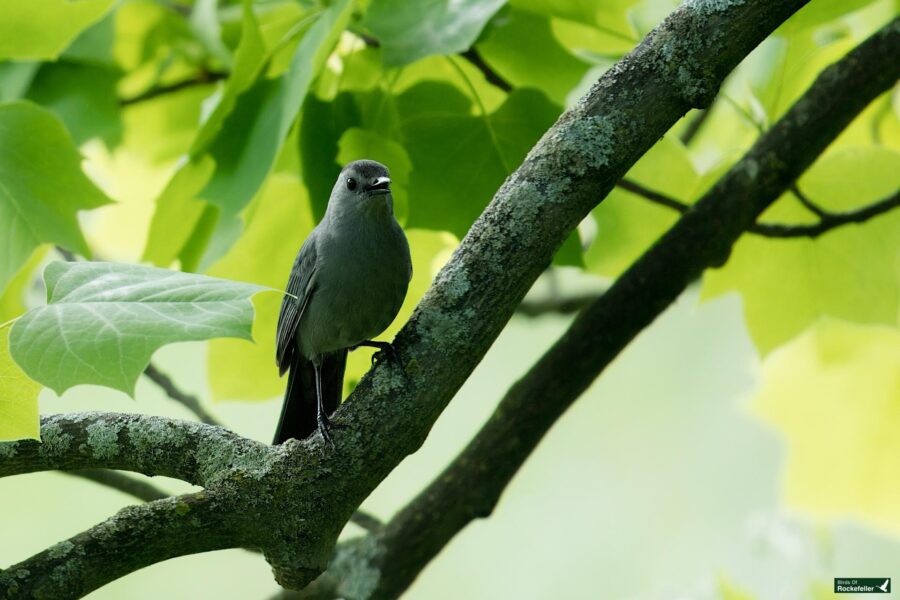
point(299, 290)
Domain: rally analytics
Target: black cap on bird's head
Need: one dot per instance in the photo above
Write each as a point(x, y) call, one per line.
point(366, 176)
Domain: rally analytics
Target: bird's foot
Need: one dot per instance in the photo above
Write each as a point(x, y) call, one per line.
point(325, 426)
point(386, 351)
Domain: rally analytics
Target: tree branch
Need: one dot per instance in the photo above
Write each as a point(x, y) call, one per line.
point(827, 220)
point(471, 485)
point(136, 536)
point(193, 452)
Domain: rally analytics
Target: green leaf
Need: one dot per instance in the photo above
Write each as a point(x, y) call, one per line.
point(177, 212)
point(15, 79)
point(849, 272)
point(12, 299)
point(832, 393)
point(41, 186)
point(41, 29)
point(83, 96)
point(628, 224)
point(524, 51)
point(248, 59)
point(103, 321)
point(409, 31)
point(460, 160)
point(18, 398)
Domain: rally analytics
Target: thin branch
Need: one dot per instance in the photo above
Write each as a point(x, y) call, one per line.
point(695, 125)
point(192, 403)
point(490, 74)
point(366, 521)
point(471, 55)
point(559, 304)
point(827, 220)
point(126, 484)
point(807, 203)
point(471, 485)
point(202, 78)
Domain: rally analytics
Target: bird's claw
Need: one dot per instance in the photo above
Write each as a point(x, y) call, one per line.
point(386, 352)
point(324, 426)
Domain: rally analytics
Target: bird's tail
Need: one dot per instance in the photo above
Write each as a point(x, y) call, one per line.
point(298, 413)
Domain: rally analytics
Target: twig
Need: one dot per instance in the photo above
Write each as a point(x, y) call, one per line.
point(807, 203)
point(203, 78)
point(695, 124)
point(827, 220)
point(556, 304)
point(367, 521)
point(490, 74)
point(126, 484)
point(192, 403)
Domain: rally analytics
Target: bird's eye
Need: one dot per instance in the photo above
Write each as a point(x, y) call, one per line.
point(351, 184)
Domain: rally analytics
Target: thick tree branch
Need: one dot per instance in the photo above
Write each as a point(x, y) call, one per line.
point(472, 484)
point(827, 220)
point(300, 498)
point(193, 452)
point(136, 536)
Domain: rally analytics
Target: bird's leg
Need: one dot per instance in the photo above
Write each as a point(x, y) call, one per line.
point(385, 350)
point(322, 421)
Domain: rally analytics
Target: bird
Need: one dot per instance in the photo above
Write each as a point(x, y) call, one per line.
point(346, 286)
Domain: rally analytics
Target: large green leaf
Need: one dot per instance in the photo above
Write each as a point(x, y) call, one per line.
point(83, 96)
point(103, 321)
point(851, 272)
point(41, 29)
point(41, 186)
point(833, 394)
point(409, 31)
point(18, 397)
point(460, 160)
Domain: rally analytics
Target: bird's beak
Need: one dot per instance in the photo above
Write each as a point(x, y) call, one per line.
point(379, 185)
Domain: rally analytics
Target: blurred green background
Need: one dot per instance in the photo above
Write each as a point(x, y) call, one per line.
point(743, 447)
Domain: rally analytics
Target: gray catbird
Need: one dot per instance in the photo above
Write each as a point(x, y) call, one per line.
point(346, 286)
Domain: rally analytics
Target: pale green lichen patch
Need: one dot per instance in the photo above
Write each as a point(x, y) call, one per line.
point(353, 566)
point(61, 550)
point(712, 6)
point(55, 442)
point(103, 439)
point(8, 449)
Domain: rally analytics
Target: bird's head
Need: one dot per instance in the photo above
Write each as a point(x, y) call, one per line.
point(362, 185)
